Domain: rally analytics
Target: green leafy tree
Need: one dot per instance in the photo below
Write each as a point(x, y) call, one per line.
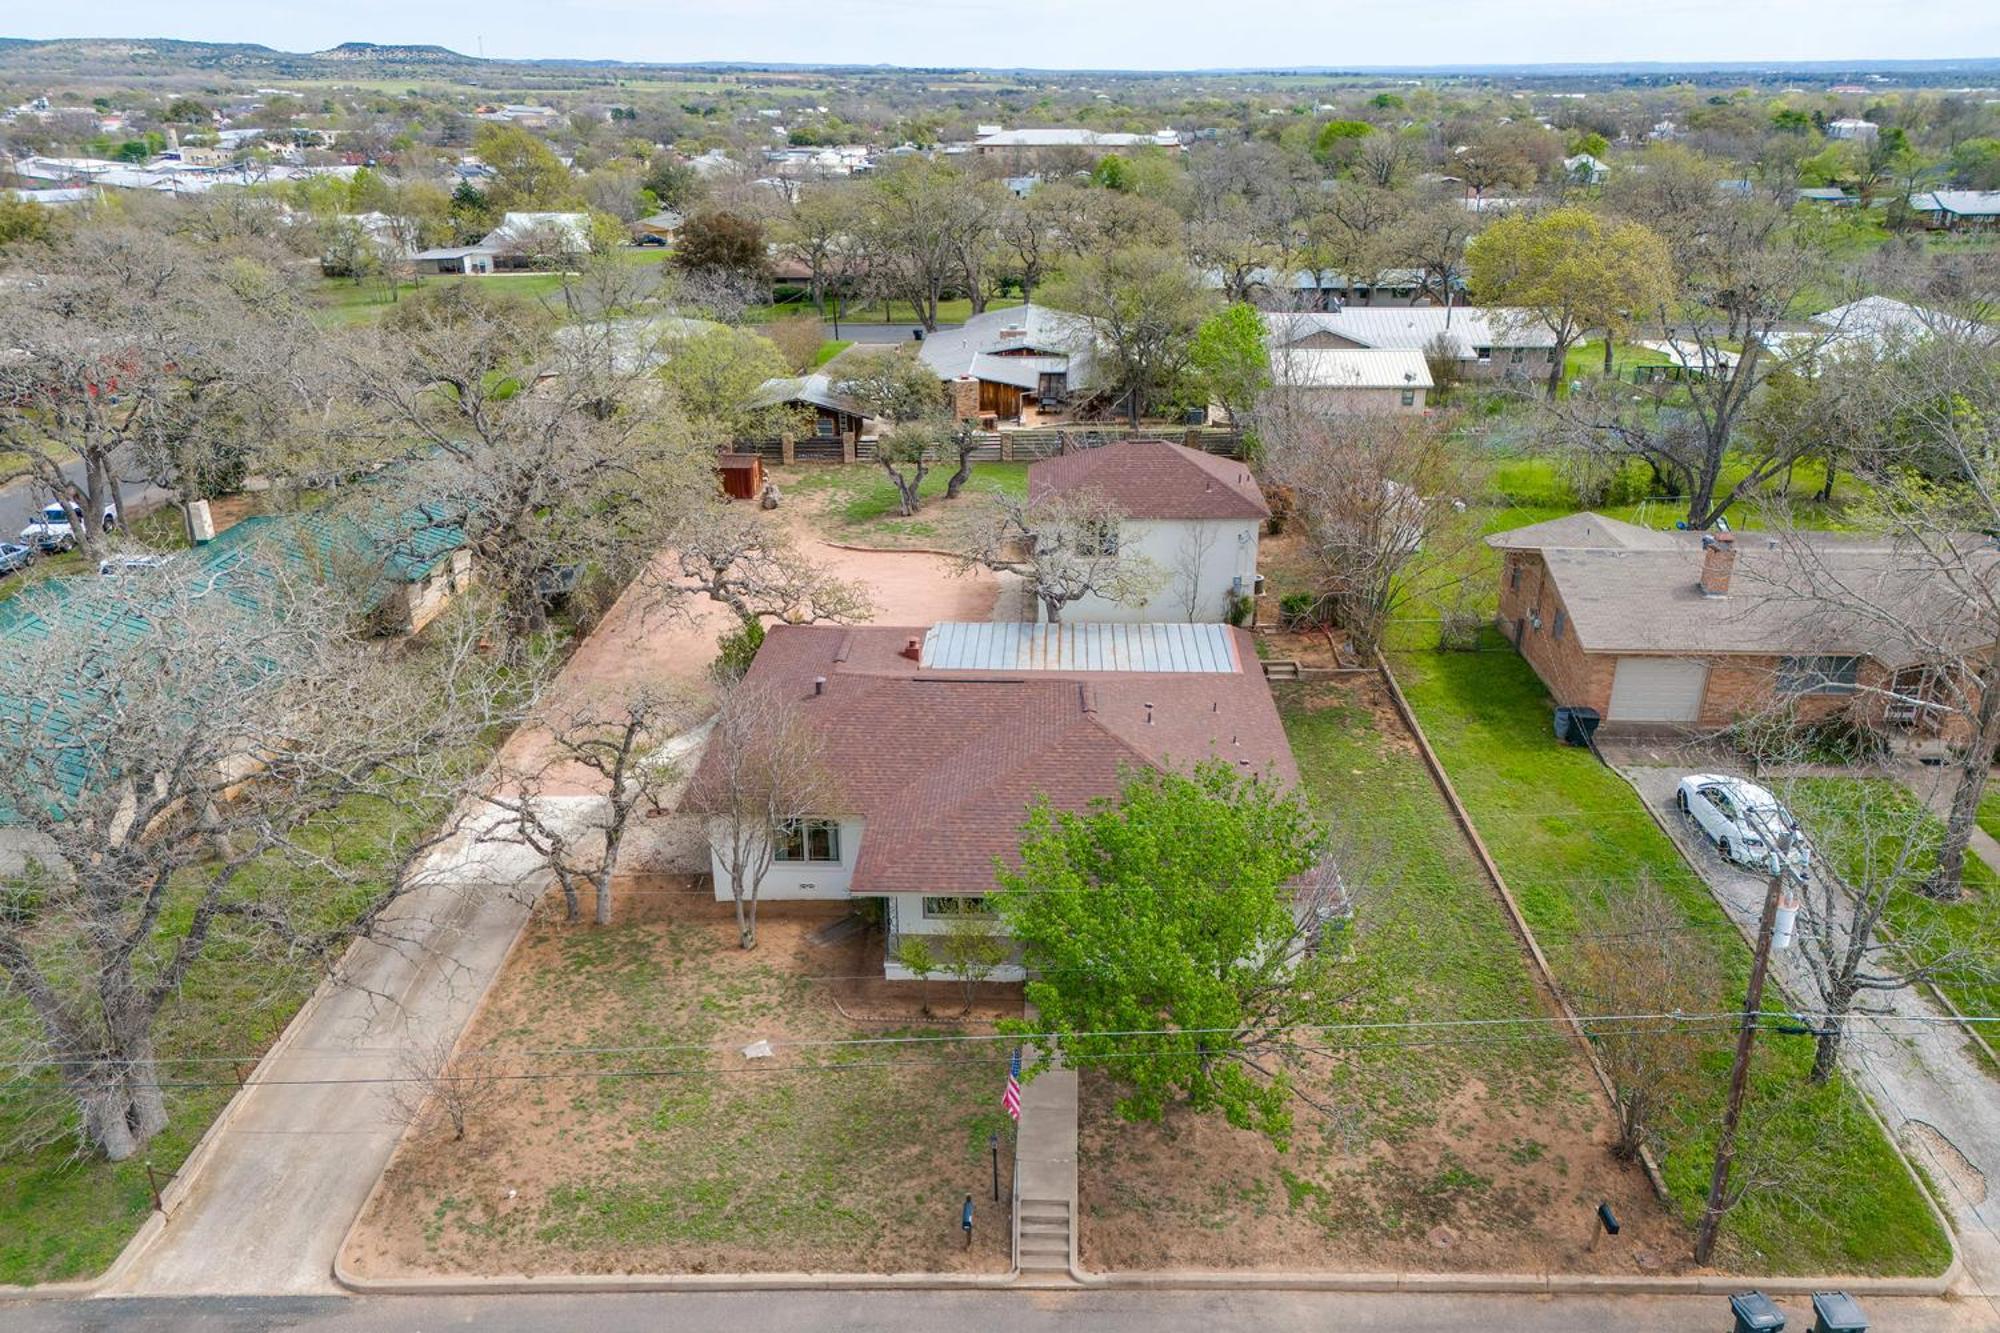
point(527, 174)
point(1191, 912)
point(1572, 271)
point(717, 378)
point(187, 111)
point(22, 221)
point(1141, 307)
point(1337, 140)
point(1228, 363)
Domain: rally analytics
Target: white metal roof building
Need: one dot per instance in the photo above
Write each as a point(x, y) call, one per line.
point(1350, 368)
point(1083, 646)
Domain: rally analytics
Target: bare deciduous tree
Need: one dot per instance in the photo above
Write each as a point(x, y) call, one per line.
point(434, 1079)
point(1868, 849)
point(1635, 959)
point(179, 753)
point(761, 776)
point(751, 566)
point(1377, 494)
point(612, 746)
point(1064, 546)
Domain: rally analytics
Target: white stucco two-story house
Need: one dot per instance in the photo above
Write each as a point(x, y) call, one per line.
point(1194, 515)
point(939, 740)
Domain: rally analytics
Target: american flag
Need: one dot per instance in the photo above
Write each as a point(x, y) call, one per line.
point(1011, 1099)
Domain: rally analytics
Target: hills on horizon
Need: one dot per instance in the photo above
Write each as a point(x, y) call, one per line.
point(110, 56)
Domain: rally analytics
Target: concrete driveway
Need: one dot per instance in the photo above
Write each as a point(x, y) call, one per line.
point(293, 1166)
point(1941, 1104)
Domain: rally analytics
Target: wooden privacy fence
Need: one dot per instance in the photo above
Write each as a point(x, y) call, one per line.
point(1003, 446)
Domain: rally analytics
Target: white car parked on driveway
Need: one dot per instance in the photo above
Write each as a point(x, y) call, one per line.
point(1745, 822)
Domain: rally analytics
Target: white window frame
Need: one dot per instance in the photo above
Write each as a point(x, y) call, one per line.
point(806, 828)
point(959, 908)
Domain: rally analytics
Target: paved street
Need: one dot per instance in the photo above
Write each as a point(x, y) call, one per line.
point(962, 1312)
point(21, 501)
point(1922, 1077)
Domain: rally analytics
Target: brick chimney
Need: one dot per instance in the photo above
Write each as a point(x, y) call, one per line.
point(1718, 562)
point(964, 398)
point(914, 650)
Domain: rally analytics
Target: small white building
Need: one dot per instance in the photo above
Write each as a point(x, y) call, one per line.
point(1194, 516)
point(1853, 127)
point(1352, 379)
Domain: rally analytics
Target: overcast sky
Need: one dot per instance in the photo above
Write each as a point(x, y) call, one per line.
point(1122, 34)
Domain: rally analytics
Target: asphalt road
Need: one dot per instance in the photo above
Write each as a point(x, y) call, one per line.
point(876, 333)
point(21, 501)
point(962, 1312)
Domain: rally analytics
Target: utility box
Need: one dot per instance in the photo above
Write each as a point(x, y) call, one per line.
point(1755, 1313)
point(201, 524)
point(1837, 1312)
point(1575, 726)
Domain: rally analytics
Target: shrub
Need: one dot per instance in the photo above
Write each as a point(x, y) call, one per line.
point(1239, 610)
point(736, 650)
point(1301, 610)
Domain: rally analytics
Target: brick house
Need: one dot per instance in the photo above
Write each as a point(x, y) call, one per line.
point(941, 739)
point(1666, 631)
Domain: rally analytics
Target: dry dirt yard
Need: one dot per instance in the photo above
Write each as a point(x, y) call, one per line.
point(1447, 1150)
point(672, 1153)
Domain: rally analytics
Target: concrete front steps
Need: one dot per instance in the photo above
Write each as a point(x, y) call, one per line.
point(1045, 1237)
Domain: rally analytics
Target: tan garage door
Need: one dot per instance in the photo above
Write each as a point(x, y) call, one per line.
point(1657, 689)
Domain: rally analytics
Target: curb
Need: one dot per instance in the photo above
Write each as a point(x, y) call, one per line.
point(1516, 1284)
point(662, 1282)
point(890, 550)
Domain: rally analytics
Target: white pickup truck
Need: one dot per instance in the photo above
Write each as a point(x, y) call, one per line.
point(55, 529)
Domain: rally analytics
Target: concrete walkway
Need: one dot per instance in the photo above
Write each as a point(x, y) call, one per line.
point(1920, 1073)
point(1045, 1160)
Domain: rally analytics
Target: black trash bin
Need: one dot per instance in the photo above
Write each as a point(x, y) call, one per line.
point(1837, 1312)
point(1755, 1313)
point(1575, 726)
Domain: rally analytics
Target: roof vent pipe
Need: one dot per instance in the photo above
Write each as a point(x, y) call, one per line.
point(1149, 715)
point(819, 685)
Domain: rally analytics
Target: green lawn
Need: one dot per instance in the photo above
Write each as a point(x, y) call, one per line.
point(829, 349)
point(858, 503)
point(343, 301)
point(956, 310)
point(1563, 828)
point(1970, 926)
point(1491, 1136)
point(65, 1216)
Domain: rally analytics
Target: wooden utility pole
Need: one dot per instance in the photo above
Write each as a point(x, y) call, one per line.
point(1739, 1073)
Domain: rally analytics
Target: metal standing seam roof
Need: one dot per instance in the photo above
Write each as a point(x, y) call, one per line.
point(1090, 646)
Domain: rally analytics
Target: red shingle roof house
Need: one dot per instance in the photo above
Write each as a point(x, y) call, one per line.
point(1193, 515)
point(940, 740)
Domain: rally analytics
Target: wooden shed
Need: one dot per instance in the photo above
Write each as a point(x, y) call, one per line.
point(742, 475)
